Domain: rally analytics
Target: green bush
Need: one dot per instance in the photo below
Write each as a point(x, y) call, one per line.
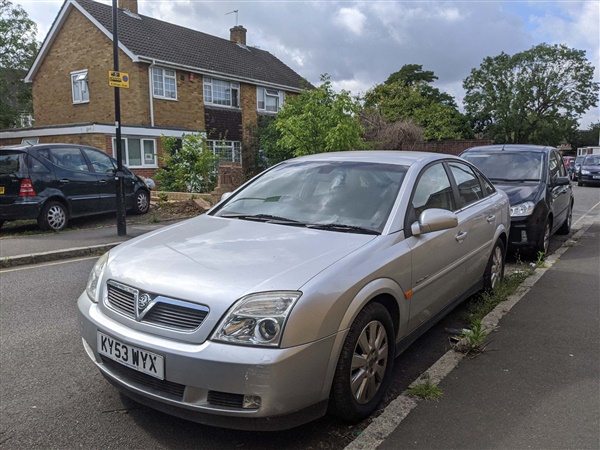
point(188, 165)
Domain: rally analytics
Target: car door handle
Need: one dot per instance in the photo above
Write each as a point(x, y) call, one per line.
point(64, 181)
point(461, 236)
point(491, 218)
point(102, 182)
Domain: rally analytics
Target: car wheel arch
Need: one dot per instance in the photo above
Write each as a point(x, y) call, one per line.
point(61, 200)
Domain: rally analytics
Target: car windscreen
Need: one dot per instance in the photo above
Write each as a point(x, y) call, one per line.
point(508, 166)
point(12, 163)
point(319, 193)
point(591, 160)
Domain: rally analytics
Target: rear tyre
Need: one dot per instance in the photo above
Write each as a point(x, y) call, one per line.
point(494, 271)
point(365, 366)
point(579, 183)
point(565, 228)
point(53, 217)
point(141, 202)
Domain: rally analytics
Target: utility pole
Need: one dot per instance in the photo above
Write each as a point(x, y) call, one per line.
point(121, 222)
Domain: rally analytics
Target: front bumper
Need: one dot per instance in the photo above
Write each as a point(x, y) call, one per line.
point(206, 382)
point(525, 232)
point(589, 179)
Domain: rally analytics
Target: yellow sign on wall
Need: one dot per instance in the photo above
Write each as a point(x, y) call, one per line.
point(118, 79)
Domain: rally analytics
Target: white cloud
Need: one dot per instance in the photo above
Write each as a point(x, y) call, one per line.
point(352, 19)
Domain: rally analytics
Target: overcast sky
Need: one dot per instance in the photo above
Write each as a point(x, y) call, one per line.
point(360, 43)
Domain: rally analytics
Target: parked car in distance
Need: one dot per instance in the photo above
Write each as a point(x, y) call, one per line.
point(578, 160)
point(589, 172)
point(56, 182)
point(293, 295)
point(537, 184)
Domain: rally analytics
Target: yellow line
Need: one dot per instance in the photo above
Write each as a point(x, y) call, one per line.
point(37, 266)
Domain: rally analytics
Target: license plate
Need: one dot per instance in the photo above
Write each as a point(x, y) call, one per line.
point(597, 177)
point(1, 190)
point(131, 356)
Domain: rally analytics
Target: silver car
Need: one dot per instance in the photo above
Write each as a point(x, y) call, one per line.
point(293, 296)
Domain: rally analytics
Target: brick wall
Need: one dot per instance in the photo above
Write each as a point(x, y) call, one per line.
point(447, 147)
point(231, 175)
point(80, 45)
point(249, 114)
point(188, 110)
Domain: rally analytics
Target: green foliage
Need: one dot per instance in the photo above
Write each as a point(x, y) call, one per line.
point(189, 167)
point(532, 97)
point(407, 96)
point(425, 389)
point(18, 47)
point(472, 340)
point(261, 149)
point(585, 138)
point(316, 121)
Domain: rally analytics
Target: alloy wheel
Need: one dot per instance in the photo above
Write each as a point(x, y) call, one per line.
point(142, 201)
point(56, 217)
point(497, 267)
point(369, 362)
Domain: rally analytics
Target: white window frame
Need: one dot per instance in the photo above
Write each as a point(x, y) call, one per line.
point(163, 77)
point(80, 77)
point(126, 152)
point(234, 146)
point(209, 93)
point(261, 99)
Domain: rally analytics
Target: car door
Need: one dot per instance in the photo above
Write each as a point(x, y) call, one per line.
point(436, 278)
point(478, 215)
point(559, 196)
point(105, 168)
point(76, 180)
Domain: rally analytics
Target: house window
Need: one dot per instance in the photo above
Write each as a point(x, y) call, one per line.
point(226, 150)
point(269, 100)
point(220, 92)
point(79, 86)
point(164, 83)
point(137, 152)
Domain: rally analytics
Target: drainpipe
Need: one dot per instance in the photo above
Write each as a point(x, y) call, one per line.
point(150, 82)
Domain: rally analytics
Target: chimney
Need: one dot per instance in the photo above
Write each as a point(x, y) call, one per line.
point(238, 34)
point(131, 5)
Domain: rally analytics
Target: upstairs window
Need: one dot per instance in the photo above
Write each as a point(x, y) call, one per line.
point(220, 92)
point(269, 100)
point(164, 83)
point(79, 86)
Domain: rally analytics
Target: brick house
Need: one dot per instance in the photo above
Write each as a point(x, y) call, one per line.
point(181, 81)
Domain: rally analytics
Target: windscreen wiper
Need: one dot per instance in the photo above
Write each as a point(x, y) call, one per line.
point(341, 227)
point(261, 218)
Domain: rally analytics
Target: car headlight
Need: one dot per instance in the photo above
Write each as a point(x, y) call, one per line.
point(94, 278)
point(585, 172)
point(522, 209)
point(257, 319)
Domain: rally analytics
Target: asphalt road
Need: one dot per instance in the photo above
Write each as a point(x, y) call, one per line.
point(52, 396)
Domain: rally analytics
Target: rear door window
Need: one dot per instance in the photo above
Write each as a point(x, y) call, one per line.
point(69, 158)
point(469, 188)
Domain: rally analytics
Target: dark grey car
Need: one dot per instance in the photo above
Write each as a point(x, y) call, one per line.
point(55, 182)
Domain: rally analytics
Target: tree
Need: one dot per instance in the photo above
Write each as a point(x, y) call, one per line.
point(316, 121)
point(189, 165)
point(586, 138)
point(407, 96)
point(18, 47)
point(536, 96)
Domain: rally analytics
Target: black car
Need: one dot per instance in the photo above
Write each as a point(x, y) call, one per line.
point(538, 188)
point(55, 182)
point(589, 172)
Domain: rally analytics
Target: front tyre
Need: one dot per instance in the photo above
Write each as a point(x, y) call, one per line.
point(141, 202)
point(53, 217)
point(544, 241)
point(565, 228)
point(494, 271)
point(365, 366)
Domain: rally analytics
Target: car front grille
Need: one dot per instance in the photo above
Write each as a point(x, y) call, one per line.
point(161, 311)
point(168, 389)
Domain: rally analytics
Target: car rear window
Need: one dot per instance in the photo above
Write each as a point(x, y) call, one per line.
point(12, 163)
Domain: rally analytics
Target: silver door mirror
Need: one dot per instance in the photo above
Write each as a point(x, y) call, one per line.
point(226, 195)
point(434, 219)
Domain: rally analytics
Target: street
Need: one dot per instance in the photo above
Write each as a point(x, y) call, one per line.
point(52, 396)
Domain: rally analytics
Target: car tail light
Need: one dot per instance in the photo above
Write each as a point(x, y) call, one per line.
point(26, 189)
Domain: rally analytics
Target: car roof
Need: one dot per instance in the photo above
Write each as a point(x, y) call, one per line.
point(510, 147)
point(402, 158)
point(26, 147)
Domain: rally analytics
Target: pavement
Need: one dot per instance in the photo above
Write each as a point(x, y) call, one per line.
point(537, 385)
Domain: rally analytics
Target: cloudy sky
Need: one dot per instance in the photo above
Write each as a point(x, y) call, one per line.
point(360, 43)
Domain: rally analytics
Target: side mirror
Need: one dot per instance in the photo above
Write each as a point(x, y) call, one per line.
point(562, 181)
point(226, 195)
point(434, 219)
